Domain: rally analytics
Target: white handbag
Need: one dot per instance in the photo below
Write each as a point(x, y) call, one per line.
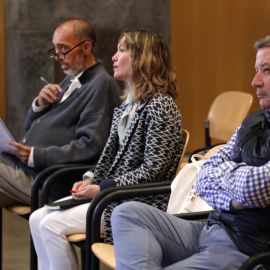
point(184, 197)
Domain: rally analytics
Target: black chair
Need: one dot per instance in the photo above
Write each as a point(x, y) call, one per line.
point(70, 173)
point(84, 240)
point(114, 194)
point(101, 251)
point(22, 210)
point(104, 198)
point(105, 253)
point(257, 259)
point(75, 173)
point(95, 210)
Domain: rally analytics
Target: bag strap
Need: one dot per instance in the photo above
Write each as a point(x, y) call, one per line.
point(199, 157)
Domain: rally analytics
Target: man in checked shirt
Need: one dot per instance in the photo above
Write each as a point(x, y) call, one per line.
point(235, 182)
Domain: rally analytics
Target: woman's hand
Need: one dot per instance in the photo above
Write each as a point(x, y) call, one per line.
point(85, 190)
point(81, 184)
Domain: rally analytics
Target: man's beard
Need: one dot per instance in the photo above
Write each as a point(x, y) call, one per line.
point(76, 68)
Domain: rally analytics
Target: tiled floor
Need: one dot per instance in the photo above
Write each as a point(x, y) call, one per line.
point(16, 242)
point(16, 239)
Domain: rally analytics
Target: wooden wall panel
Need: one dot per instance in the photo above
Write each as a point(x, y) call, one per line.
point(2, 63)
point(212, 46)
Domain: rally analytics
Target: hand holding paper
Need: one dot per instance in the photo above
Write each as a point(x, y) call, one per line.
point(20, 151)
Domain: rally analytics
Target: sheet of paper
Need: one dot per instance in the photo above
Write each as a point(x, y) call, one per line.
point(5, 137)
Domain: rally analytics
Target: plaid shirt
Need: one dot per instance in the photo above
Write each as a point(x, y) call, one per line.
point(221, 180)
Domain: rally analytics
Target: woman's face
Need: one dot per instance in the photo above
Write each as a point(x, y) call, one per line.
point(121, 65)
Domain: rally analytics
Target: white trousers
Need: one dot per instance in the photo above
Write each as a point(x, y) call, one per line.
point(49, 229)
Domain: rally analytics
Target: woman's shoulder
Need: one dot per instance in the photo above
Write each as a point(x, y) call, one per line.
point(163, 107)
point(164, 102)
point(159, 96)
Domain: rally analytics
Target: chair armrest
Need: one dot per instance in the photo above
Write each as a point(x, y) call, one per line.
point(249, 264)
point(41, 178)
point(104, 198)
point(195, 215)
point(259, 258)
point(74, 173)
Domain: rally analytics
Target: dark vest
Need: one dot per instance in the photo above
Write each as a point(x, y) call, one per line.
point(252, 144)
point(249, 229)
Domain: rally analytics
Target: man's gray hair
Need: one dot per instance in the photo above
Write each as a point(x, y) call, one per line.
point(265, 42)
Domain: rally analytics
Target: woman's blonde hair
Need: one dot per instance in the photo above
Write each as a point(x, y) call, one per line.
point(151, 65)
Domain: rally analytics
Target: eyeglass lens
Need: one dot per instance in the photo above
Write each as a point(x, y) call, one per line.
point(61, 56)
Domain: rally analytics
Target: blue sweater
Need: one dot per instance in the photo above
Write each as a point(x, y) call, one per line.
point(76, 130)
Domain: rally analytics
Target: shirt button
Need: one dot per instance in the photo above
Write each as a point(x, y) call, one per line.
point(38, 121)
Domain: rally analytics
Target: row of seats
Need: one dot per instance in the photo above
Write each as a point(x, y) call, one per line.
point(225, 115)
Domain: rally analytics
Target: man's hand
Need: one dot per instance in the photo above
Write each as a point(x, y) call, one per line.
point(22, 152)
point(49, 94)
point(237, 206)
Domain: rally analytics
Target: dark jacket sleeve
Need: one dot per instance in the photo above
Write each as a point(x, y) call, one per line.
point(90, 136)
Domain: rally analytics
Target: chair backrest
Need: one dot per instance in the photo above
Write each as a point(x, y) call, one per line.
point(227, 113)
point(185, 135)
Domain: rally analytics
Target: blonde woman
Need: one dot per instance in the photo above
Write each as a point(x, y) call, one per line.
point(144, 146)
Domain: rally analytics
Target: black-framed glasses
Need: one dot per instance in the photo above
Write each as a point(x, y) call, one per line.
point(62, 56)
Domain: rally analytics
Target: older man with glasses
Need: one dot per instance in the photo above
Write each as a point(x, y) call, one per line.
point(67, 123)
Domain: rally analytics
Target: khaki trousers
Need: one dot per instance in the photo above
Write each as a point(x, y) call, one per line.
point(15, 184)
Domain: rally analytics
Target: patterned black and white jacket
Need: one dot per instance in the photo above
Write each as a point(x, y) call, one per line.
point(150, 150)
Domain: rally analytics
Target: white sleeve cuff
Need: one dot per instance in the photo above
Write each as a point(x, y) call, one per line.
point(88, 174)
point(31, 159)
point(36, 108)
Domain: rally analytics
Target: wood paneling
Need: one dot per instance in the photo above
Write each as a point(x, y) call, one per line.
point(212, 47)
point(2, 63)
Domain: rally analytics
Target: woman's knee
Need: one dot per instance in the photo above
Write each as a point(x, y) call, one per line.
point(42, 220)
point(36, 217)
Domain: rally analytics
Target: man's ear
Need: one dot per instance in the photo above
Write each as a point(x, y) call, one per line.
point(87, 47)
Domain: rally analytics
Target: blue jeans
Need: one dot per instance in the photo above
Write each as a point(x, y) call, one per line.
point(147, 238)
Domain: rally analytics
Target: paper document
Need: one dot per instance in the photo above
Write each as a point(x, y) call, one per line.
point(5, 137)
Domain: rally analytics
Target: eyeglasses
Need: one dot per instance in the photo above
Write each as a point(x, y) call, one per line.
point(62, 56)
